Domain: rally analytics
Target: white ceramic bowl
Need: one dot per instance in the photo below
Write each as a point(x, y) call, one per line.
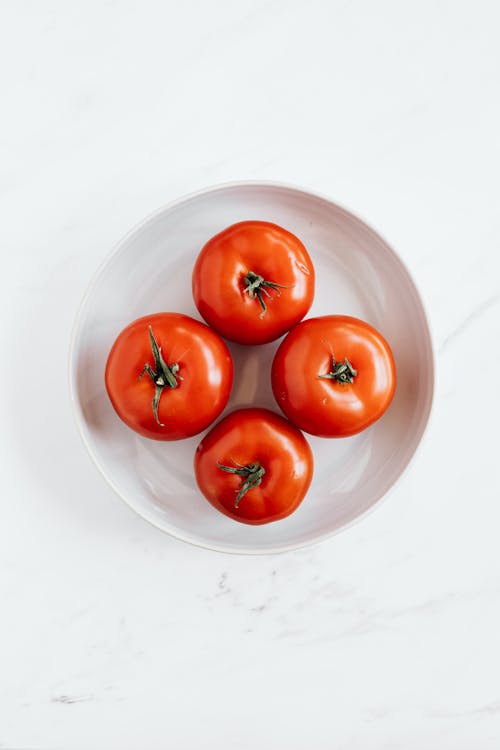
point(357, 274)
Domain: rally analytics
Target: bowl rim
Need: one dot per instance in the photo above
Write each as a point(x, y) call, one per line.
point(79, 317)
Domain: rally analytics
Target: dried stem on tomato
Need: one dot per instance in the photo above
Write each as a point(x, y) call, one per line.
point(252, 474)
point(163, 376)
point(341, 372)
point(256, 286)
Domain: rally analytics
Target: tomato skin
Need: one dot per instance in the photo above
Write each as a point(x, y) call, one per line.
point(205, 366)
point(248, 436)
point(325, 407)
point(218, 281)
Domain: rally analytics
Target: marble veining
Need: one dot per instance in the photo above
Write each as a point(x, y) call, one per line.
point(114, 635)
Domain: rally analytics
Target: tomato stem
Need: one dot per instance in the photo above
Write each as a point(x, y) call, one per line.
point(163, 376)
point(252, 473)
point(256, 286)
point(341, 372)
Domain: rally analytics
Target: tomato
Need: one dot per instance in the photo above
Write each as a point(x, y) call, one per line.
point(168, 376)
point(253, 282)
point(254, 466)
point(333, 376)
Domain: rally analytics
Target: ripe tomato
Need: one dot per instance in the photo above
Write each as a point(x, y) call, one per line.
point(168, 376)
point(253, 282)
point(333, 376)
point(254, 466)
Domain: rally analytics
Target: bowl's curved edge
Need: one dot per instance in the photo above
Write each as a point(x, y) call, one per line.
point(79, 420)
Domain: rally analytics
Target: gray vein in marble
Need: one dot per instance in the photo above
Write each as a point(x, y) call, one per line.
point(491, 709)
point(259, 609)
point(367, 620)
point(222, 586)
point(477, 313)
point(69, 699)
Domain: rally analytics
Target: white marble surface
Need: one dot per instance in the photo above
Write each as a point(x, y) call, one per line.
point(114, 635)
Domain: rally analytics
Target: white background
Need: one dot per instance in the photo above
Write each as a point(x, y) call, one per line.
point(114, 635)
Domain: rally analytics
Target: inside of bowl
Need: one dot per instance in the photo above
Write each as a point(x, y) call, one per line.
point(356, 274)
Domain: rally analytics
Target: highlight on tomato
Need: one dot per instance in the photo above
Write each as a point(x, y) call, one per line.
point(168, 376)
point(333, 376)
point(253, 281)
point(254, 466)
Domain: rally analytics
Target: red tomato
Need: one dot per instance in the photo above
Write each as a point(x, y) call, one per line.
point(254, 466)
point(253, 282)
point(168, 376)
point(333, 376)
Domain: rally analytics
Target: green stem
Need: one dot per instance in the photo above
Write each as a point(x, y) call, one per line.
point(256, 286)
point(163, 376)
point(341, 372)
point(252, 474)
